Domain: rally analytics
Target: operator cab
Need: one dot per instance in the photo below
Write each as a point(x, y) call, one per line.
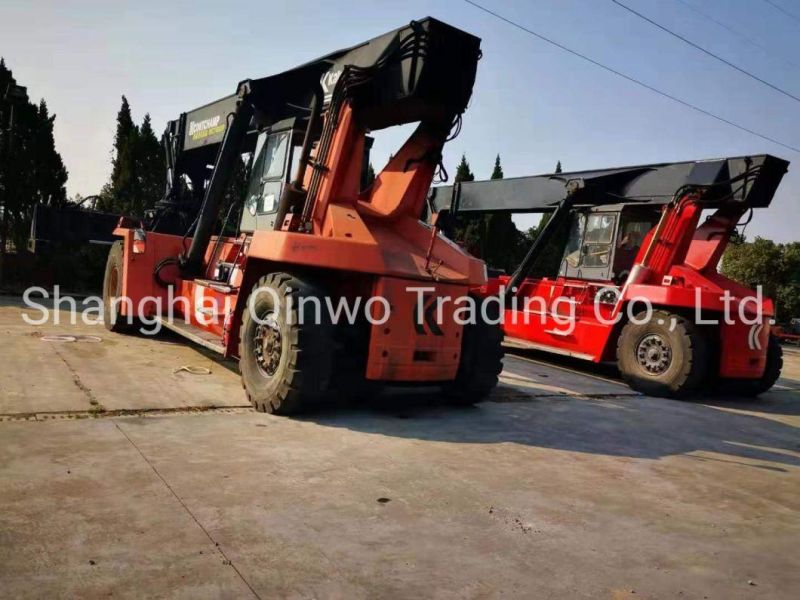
point(603, 242)
point(276, 155)
point(275, 149)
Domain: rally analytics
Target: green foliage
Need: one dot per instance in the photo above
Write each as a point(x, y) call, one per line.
point(137, 167)
point(503, 243)
point(463, 172)
point(548, 260)
point(468, 230)
point(493, 237)
point(370, 175)
point(497, 172)
point(776, 267)
point(558, 167)
point(151, 165)
point(534, 232)
point(31, 170)
point(737, 238)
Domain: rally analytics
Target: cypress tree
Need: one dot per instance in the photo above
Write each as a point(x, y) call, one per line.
point(497, 173)
point(51, 174)
point(463, 172)
point(119, 193)
point(468, 230)
point(502, 240)
point(137, 167)
point(150, 167)
point(31, 169)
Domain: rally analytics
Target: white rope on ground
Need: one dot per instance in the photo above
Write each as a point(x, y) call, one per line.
point(192, 370)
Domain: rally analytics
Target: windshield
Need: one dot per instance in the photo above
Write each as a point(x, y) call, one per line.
point(268, 172)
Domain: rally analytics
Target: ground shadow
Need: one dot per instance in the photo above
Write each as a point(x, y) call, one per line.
point(631, 426)
point(605, 369)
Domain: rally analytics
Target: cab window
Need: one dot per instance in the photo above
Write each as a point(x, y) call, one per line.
point(597, 240)
point(632, 230)
point(572, 253)
point(268, 173)
point(275, 156)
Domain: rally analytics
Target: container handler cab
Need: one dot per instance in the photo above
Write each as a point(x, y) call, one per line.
point(307, 229)
point(616, 235)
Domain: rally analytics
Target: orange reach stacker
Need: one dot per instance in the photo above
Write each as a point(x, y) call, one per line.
point(307, 229)
point(620, 240)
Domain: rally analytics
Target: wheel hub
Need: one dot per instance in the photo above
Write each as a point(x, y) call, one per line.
point(268, 345)
point(654, 354)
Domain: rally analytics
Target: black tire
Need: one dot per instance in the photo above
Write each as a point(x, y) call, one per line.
point(665, 357)
point(481, 360)
point(112, 288)
point(297, 377)
point(749, 388)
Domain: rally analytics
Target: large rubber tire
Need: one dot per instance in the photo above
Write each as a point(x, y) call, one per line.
point(112, 288)
point(481, 360)
point(298, 378)
point(665, 357)
point(753, 387)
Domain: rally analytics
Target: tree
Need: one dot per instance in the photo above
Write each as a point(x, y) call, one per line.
point(468, 230)
point(370, 177)
point(149, 156)
point(536, 231)
point(497, 172)
point(137, 167)
point(502, 242)
point(463, 172)
point(494, 236)
point(118, 193)
point(31, 169)
point(50, 172)
point(558, 167)
point(776, 267)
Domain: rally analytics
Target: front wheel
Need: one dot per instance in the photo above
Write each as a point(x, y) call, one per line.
point(112, 292)
point(284, 357)
point(481, 359)
point(666, 356)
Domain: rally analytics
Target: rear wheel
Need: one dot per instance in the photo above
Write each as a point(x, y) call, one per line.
point(481, 360)
point(112, 291)
point(285, 356)
point(754, 387)
point(666, 356)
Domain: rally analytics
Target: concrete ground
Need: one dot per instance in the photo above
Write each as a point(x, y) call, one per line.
point(120, 477)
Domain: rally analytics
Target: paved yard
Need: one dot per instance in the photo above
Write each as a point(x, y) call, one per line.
point(120, 477)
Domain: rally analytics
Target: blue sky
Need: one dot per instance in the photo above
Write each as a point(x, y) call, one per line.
point(533, 104)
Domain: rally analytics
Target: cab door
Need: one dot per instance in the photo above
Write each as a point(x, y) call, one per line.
point(270, 174)
point(572, 326)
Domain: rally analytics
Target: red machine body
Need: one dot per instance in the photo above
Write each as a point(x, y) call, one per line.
point(680, 275)
point(626, 269)
point(312, 231)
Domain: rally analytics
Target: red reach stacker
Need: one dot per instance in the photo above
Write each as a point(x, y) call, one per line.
point(618, 240)
point(308, 228)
